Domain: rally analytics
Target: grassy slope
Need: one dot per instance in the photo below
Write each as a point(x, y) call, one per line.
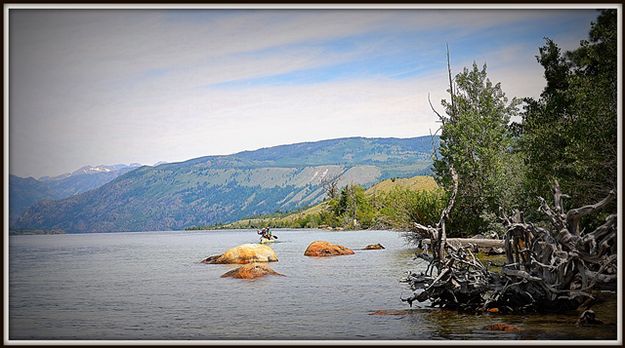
point(415, 183)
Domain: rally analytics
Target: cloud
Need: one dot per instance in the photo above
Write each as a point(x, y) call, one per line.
point(91, 87)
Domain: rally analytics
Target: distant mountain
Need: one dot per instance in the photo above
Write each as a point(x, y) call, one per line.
point(90, 170)
point(221, 189)
point(24, 192)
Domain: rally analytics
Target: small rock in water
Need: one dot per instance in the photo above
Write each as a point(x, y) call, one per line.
point(502, 327)
point(251, 271)
point(587, 318)
point(323, 248)
point(377, 246)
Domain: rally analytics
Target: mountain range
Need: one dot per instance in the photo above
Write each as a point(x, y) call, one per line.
point(220, 189)
point(24, 192)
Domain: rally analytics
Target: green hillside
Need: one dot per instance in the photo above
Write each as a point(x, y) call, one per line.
point(221, 189)
point(392, 200)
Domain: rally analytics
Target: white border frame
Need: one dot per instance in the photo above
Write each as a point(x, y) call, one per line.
point(8, 7)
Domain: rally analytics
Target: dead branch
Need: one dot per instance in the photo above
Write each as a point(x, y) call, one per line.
point(437, 234)
point(330, 185)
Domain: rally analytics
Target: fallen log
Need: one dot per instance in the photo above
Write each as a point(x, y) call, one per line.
point(469, 242)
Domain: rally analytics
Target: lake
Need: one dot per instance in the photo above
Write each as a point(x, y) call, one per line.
point(151, 286)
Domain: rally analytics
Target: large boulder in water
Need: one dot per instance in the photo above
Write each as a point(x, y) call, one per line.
point(245, 253)
point(251, 271)
point(323, 248)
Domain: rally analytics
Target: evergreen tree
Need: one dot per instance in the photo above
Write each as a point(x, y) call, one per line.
point(570, 132)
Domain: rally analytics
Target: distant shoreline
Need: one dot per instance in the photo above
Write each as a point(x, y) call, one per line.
point(59, 232)
point(34, 232)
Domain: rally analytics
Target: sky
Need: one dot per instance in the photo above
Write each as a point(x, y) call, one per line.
point(91, 87)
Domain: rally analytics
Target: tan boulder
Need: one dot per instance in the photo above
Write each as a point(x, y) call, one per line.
point(245, 253)
point(323, 248)
point(374, 247)
point(251, 271)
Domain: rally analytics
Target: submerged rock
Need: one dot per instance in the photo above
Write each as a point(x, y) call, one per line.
point(251, 271)
point(502, 327)
point(400, 312)
point(246, 253)
point(323, 248)
point(377, 246)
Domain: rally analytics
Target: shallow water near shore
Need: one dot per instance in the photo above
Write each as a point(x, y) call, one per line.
point(151, 285)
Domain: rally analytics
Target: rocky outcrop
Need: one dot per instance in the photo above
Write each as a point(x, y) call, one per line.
point(246, 253)
point(251, 271)
point(323, 248)
point(377, 246)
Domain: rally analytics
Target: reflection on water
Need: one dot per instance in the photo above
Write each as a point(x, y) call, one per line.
point(152, 286)
point(454, 325)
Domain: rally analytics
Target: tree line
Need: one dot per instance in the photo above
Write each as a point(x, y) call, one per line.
point(509, 152)
point(352, 207)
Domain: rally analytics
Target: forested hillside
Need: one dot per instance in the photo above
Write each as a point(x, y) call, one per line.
point(220, 189)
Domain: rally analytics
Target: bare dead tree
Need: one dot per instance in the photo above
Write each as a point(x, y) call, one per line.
point(330, 186)
point(547, 269)
point(438, 234)
point(451, 83)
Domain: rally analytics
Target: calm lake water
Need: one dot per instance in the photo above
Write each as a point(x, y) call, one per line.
point(136, 286)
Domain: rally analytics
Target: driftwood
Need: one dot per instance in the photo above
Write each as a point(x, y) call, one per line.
point(547, 269)
point(483, 243)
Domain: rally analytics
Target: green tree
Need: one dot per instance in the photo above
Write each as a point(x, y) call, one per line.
point(400, 208)
point(476, 140)
point(352, 207)
point(570, 132)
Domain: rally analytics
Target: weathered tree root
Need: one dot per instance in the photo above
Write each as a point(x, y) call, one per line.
point(547, 270)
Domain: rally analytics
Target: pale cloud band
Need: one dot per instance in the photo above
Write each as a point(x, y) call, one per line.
point(121, 86)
